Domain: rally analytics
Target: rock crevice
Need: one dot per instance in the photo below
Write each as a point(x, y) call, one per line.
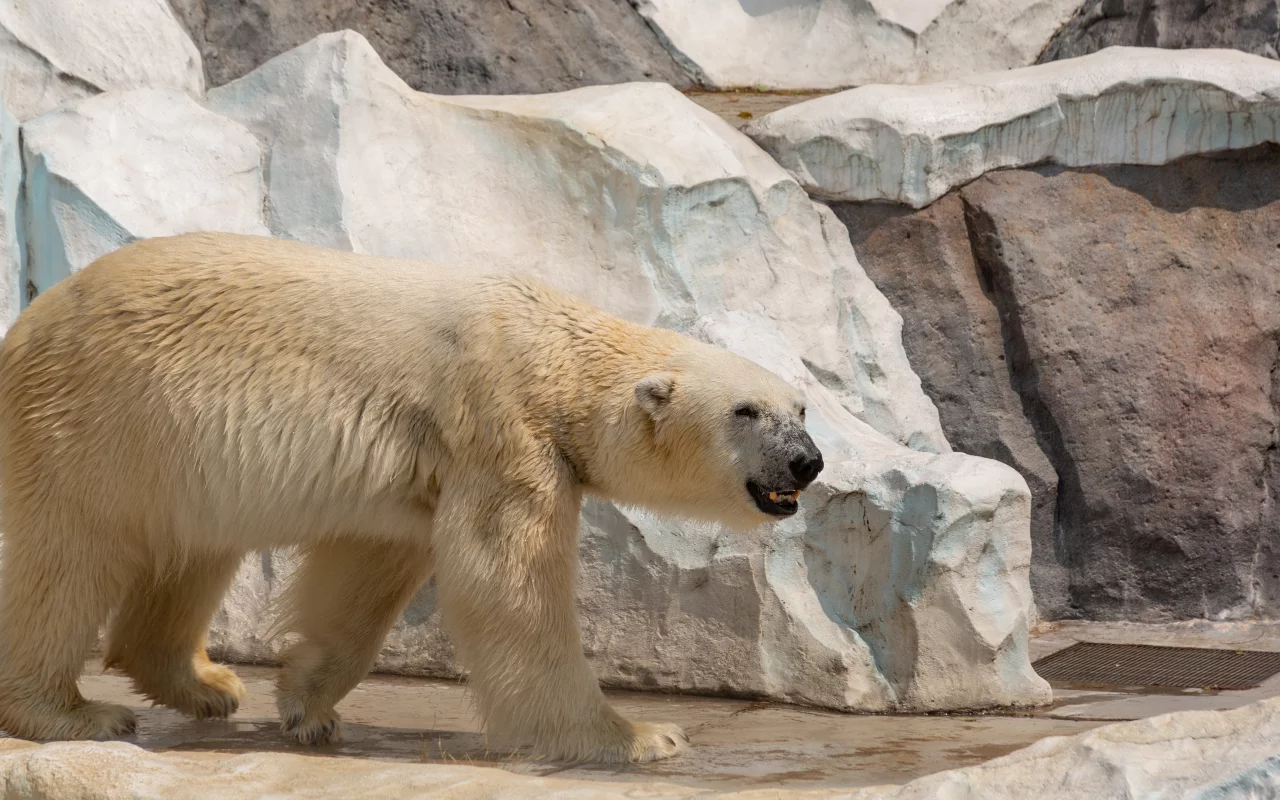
point(993, 277)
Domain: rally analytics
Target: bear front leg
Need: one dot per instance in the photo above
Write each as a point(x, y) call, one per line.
point(343, 600)
point(158, 636)
point(506, 570)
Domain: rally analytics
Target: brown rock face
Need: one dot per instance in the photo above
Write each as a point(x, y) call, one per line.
point(1123, 322)
point(445, 46)
point(1248, 25)
point(923, 263)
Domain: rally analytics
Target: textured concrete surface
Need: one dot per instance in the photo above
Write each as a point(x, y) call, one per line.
point(172, 166)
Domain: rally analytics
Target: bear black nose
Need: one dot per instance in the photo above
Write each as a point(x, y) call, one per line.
point(806, 466)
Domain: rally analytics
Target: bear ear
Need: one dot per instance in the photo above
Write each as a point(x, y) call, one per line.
point(653, 393)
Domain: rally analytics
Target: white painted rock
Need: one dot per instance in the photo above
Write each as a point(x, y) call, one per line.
point(832, 44)
point(104, 171)
point(904, 581)
point(11, 252)
point(52, 51)
point(1200, 755)
point(1122, 105)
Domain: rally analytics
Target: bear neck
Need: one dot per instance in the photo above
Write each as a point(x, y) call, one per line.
point(589, 405)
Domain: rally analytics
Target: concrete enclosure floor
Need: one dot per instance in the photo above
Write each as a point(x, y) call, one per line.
point(737, 744)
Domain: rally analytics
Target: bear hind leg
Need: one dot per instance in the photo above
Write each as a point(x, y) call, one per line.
point(158, 637)
point(53, 598)
point(343, 600)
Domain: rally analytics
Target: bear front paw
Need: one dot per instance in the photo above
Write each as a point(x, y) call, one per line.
point(656, 741)
point(211, 692)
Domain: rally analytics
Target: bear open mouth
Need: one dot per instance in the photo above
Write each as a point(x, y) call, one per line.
point(773, 502)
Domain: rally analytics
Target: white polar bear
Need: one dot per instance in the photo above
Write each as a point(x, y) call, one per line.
point(185, 400)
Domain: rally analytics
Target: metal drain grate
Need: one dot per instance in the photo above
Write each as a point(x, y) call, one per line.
point(1147, 665)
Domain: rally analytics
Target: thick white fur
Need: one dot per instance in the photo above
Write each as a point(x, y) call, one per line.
point(185, 400)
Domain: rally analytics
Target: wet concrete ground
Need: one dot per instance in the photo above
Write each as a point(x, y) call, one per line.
point(736, 744)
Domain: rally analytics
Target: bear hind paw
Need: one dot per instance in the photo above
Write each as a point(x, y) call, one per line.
point(628, 742)
point(85, 720)
point(314, 729)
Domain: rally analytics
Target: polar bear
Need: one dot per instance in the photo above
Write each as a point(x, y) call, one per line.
point(185, 400)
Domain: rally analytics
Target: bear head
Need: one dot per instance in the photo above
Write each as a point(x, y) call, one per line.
point(728, 436)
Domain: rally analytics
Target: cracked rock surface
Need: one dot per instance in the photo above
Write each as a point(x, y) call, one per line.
point(1125, 363)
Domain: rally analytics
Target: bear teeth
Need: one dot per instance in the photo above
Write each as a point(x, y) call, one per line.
point(792, 496)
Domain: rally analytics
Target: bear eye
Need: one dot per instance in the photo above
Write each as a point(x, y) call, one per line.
point(802, 415)
point(746, 411)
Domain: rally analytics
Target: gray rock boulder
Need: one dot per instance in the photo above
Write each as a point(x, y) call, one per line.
point(445, 46)
point(52, 51)
point(1130, 317)
point(1249, 25)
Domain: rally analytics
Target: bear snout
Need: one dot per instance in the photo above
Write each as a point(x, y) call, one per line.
point(806, 466)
